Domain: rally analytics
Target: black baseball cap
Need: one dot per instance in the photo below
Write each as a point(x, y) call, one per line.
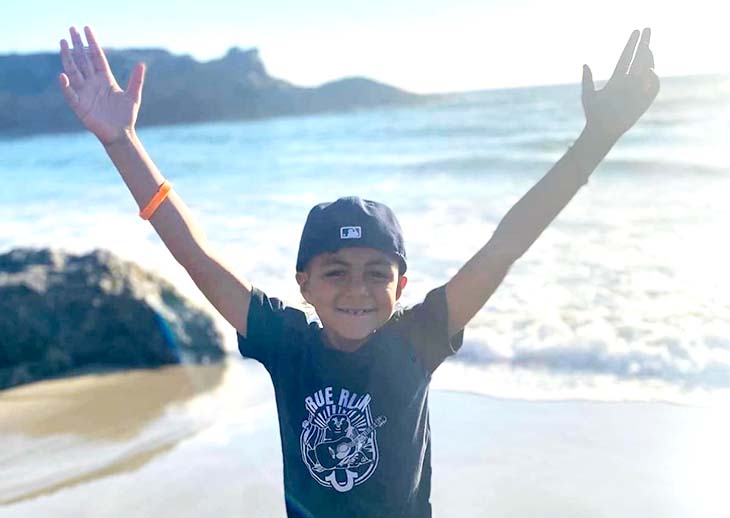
point(351, 222)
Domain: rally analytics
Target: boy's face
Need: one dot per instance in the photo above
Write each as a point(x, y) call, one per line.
point(353, 291)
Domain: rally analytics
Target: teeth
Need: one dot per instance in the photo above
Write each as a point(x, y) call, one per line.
point(356, 311)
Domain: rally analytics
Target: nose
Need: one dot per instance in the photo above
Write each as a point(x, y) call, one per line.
point(357, 285)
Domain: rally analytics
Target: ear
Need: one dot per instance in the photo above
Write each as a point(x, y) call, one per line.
point(303, 281)
point(402, 281)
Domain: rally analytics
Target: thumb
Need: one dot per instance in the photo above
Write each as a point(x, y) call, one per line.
point(68, 92)
point(588, 87)
point(136, 81)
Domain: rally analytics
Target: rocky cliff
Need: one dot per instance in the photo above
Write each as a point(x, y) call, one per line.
point(179, 89)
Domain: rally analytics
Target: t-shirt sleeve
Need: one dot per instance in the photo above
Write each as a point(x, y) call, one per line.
point(425, 326)
point(269, 327)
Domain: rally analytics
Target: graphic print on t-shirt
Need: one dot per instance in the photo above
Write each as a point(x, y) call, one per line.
point(338, 440)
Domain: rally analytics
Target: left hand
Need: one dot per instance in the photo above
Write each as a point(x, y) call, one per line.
point(613, 110)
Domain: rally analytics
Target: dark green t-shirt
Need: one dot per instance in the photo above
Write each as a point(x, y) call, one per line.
point(354, 426)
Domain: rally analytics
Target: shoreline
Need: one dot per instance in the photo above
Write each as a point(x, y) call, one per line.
point(617, 458)
point(440, 383)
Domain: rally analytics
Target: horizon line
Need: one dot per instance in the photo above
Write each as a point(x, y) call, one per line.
point(449, 92)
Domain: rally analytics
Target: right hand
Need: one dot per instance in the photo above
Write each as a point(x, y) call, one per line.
point(91, 91)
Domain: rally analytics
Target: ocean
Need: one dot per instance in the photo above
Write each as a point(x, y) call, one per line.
point(610, 332)
point(624, 296)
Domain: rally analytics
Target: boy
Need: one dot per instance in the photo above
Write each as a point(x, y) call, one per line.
point(352, 395)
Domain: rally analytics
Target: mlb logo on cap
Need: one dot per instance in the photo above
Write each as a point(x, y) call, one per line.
point(350, 232)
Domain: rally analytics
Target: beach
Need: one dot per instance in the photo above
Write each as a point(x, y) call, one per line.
point(595, 382)
point(203, 441)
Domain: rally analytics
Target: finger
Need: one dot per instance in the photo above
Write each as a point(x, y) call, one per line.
point(136, 81)
point(643, 62)
point(651, 85)
point(644, 59)
point(589, 88)
point(623, 63)
point(68, 92)
point(69, 66)
point(646, 36)
point(97, 55)
point(79, 54)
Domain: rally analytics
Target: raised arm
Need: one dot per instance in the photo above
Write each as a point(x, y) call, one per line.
point(610, 112)
point(110, 113)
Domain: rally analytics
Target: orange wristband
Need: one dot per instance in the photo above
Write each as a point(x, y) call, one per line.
point(156, 200)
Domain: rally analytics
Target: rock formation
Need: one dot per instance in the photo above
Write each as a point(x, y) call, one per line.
point(61, 313)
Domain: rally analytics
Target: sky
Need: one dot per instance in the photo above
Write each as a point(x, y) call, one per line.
point(424, 46)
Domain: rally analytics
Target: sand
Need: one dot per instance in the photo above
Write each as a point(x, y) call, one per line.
point(203, 441)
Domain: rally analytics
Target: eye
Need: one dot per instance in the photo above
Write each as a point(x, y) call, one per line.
point(380, 275)
point(333, 274)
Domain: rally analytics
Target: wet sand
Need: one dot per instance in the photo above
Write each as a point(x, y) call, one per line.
point(106, 406)
point(203, 441)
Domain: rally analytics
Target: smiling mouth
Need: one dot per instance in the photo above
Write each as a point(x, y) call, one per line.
point(356, 312)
